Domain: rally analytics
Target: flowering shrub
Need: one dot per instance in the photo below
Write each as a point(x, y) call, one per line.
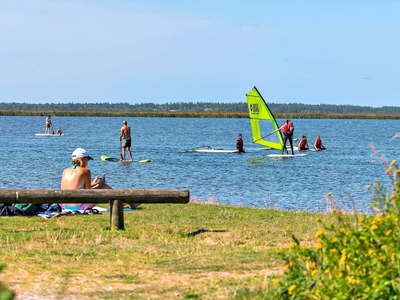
point(358, 260)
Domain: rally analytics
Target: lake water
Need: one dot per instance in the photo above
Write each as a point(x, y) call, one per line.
point(250, 179)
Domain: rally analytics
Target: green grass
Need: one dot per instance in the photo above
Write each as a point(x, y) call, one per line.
point(188, 251)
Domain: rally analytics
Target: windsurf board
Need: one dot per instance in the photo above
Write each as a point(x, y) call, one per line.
point(286, 155)
point(208, 149)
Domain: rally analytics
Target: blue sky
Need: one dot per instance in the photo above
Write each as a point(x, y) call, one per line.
point(313, 52)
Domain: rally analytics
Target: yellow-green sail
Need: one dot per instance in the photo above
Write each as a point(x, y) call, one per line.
point(263, 122)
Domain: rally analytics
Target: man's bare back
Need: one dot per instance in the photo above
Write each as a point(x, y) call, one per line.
point(125, 133)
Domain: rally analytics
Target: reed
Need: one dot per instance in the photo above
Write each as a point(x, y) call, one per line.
point(182, 114)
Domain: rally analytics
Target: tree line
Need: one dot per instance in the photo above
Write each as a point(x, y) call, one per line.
point(297, 108)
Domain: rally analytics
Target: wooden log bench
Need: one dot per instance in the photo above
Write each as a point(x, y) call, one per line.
point(115, 197)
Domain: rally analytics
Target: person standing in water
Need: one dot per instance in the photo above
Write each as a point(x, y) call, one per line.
point(48, 124)
point(239, 144)
point(125, 134)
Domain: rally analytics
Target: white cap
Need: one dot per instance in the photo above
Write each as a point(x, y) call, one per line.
point(79, 152)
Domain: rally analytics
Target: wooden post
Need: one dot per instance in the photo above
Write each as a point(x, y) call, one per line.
point(117, 215)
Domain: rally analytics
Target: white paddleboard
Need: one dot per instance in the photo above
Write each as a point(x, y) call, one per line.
point(286, 155)
point(47, 134)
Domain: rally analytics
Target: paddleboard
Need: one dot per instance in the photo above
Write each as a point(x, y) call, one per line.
point(108, 158)
point(286, 155)
point(46, 134)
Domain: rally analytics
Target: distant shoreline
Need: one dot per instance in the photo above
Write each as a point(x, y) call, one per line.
point(182, 114)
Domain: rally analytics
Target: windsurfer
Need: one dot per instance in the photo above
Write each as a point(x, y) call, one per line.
point(288, 130)
point(239, 144)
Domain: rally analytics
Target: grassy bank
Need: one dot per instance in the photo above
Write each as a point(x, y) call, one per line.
point(192, 251)
point(182, 114)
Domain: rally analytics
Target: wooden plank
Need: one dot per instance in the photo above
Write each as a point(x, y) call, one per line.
point(41, 196)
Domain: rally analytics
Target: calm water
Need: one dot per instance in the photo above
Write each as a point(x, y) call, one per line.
point(249, 179)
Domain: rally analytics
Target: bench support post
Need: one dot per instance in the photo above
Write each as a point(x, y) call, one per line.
point(117, 215)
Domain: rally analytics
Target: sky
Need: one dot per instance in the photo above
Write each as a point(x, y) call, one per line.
point(163, 51)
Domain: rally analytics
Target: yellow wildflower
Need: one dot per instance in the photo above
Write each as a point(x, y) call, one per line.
point(276, 282)
point(318, 220)
point(366, 289)
point(342, 260)
point(368, 186)
point(291, 288)
point(310, 265)
point(319, 245)
point(326, 271)
point(388, 170)
point(333, 250)
point(373, 227)
point(389, 232)
point(351, 280)
point(287, 229)
point(319, 232)
point(361, 219)
point(329, 194)
point(314, 272)
point(371, 252)
point(393, 162)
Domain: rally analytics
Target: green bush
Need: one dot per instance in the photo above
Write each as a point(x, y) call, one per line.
point(350, 260)
point(5, 294)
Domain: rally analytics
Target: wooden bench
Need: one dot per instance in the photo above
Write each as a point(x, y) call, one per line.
point(115, 197)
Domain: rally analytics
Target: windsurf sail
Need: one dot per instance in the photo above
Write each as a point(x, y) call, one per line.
point(263, 122)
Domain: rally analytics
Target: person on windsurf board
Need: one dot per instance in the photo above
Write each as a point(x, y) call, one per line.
point(239, 144)
point(303, 145)
point(288, 130)
point(318, 144)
